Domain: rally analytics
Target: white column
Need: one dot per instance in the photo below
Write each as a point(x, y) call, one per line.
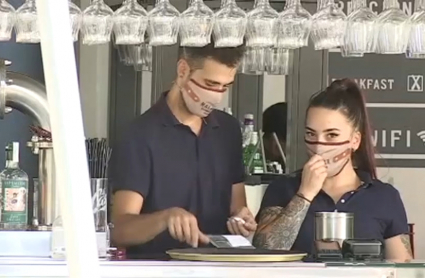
point(68, 137)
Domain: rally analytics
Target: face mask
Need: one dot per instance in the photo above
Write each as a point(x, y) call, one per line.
point(199, 100)
point(336, 155)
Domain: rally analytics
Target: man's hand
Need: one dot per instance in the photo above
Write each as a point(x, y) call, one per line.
point(183, 226)
point(242, 223)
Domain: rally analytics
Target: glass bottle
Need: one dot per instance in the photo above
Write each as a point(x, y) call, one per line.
point(75, 15)
point(7, 19)
point(130, 23)
point(392, 29)
point(293, 26)
point(97, 23)
point(416, 46)
point(230, 25)
point(163, 25)
point(14, 192)
point(328, 26)
point(196, 24)
point(261, 27)
point(359, 36)
point(26, 26)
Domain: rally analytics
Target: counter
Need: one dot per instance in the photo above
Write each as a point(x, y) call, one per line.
point(48, 268)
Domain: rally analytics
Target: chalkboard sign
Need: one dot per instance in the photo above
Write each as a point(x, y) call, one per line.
point(394, 90)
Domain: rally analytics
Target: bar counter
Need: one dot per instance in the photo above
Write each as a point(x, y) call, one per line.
point(49, 268)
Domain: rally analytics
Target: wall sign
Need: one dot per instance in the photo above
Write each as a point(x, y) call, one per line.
point(376, 6)
point(395, 95)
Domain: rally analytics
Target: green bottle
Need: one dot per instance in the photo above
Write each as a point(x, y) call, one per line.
point(14, 192)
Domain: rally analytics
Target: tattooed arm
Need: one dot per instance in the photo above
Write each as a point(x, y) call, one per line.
point(278, 227)
point(398, 248)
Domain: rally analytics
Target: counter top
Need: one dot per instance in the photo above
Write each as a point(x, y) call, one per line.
point(22, 267)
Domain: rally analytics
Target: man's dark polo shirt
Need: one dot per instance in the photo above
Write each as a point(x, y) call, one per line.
point(378, 209)
point(166, 163)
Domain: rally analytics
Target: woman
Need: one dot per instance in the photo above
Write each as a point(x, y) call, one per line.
point(339, 176)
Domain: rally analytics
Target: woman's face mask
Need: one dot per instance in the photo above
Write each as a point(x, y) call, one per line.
point(199, 100)
point(336, 155)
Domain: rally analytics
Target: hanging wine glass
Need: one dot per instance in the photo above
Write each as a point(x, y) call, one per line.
point(328, 26)
point(293, 26)
point(229, 25)
point(392, 29)
point(75, 15)
point(277, 61)
point(359, 36)
point(416, 46)
point(163, 24)
point(130, 23)
point(97, 23)
point(26, 26)
point(196, 24)
point(261, 27)
point(7, 20)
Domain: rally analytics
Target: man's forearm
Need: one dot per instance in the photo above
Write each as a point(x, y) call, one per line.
point(138, 229)
point(279, 227)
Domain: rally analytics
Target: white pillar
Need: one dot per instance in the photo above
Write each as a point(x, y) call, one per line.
point(68, 137)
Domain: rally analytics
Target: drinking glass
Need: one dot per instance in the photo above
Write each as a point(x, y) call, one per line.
point(293, 26)
point(261, 27)
point(392, 30)
point(416, 46)
point(163, 24)
point(328, 26)
point(130, 22)
point(253, 61)
point(277, 61)
point(359, 36)
point(229, 25)
point(97, 23)
point(196, 24)
point(7, 20)
point(75, 15)
point(26, 26)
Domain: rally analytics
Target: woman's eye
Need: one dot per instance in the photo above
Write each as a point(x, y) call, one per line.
point(333, 135)
point(309, 134)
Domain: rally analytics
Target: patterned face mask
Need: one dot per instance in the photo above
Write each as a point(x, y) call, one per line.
point(336, 155)
point(199, 100)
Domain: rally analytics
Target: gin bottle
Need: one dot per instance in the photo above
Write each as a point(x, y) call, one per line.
point(14, 192)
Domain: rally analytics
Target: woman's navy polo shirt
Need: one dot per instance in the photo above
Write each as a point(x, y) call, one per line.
point(378, 210)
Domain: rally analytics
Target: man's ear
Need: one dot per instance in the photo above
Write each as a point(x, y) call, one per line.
point(183, 69)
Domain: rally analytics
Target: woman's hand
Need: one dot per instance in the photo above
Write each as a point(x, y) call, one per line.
point(313, 177)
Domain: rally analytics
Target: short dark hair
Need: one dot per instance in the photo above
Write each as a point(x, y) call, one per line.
point(275, 120)
point(195, 56)
point(345, 95)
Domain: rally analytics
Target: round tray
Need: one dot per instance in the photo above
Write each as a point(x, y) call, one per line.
point(235, 255)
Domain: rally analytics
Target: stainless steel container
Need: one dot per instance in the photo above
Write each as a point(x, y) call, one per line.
point(334, 226)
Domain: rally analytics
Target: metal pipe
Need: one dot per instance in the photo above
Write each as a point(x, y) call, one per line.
point(27, 96)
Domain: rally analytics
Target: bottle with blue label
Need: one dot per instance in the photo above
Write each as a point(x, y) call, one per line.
point(13, 192)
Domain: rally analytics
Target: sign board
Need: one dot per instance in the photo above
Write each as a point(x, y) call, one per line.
point(376, 6)
point(383, 78)
point(395, 95)
point(399, 136)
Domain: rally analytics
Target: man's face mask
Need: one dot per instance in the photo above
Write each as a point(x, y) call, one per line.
point(200, 100)
point(336, 155)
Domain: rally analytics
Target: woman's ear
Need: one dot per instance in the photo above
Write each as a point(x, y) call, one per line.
point(357, 139)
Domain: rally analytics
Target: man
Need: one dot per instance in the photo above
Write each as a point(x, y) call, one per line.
point(275, 121)
point(178, 172)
